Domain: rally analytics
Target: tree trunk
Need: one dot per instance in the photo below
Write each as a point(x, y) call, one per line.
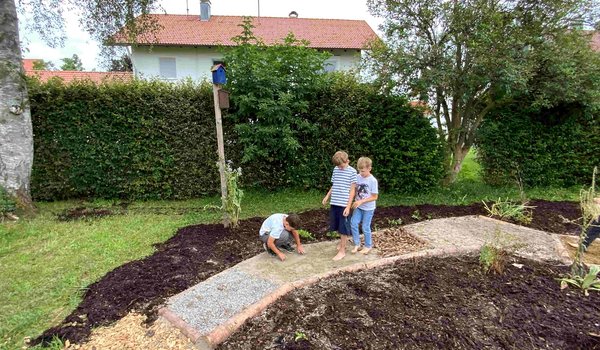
point(16, 136)
point(457, 156)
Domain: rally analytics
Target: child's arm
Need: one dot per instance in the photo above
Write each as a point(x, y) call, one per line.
point(273, 247)
point(326, 198)
point(299, 247)
point(372, 198)
point(350, 198)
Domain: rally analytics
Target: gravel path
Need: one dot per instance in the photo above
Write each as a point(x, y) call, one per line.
point(211, 302)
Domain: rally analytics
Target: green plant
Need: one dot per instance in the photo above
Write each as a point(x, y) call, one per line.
point(233, 200)
point(492, 259)
point(509, 209)
point(494, 254)
point(586, 283)
point(298, 336)
point(589, 211)
point(395, 222)
point(332, 235)
point(306, 235)
point(416, 215)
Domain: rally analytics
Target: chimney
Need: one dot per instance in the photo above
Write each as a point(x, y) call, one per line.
point(293, 14)
point(204, 10)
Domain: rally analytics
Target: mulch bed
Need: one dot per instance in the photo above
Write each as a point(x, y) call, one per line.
point(197, 252)
point(441, 303)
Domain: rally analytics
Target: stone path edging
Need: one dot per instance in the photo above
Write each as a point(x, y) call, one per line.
point(223, 331)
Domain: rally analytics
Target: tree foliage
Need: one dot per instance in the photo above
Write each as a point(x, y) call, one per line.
point(467, 57)
point(270, 88)
point(43, 65)
point(72, 63)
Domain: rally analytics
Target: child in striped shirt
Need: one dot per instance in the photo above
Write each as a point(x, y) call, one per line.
point(341, 194)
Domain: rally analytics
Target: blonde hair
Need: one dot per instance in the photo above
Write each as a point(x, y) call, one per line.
point(339, 158)
point(364, 162)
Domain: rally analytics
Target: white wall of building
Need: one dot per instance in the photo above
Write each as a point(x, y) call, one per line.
point(195, 62)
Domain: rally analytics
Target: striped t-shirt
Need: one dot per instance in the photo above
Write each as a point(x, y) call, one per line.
point(342, 181)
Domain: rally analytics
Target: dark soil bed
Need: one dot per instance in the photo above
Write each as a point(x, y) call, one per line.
point(437, 303)
point(197, 252)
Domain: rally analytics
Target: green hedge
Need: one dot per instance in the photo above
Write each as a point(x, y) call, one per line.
point(143, 139)
point(407, 155)
point(122, 140)
point(558, 146)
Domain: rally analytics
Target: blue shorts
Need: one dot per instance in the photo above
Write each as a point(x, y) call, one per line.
point(338, 222)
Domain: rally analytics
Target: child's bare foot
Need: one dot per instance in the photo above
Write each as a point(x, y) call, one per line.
point(365, 251)
point(355, 249)
point(340, 255)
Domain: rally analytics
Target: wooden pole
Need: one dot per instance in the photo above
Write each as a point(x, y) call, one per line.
point(221, 152)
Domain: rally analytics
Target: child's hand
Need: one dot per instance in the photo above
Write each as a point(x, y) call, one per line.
point(324, 201)
point(300, 249)
point(281, 256)
point(346, 211)
point(356, 204)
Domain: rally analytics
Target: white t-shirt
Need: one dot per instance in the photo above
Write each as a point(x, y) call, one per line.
point(273, 226)
point(365, 187)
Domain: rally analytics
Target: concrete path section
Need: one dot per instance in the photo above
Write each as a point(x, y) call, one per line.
point(213, 309)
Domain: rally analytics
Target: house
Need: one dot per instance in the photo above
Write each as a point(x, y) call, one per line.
point(188, 45)
point(69, 76)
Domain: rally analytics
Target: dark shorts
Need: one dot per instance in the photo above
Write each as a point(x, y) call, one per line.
point(338, 222)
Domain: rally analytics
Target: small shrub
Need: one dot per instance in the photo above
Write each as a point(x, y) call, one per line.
point(520, 212)
point(586, 283)
point(494, 255)
point(233, 201)
point(492, 259)
point(306, 235)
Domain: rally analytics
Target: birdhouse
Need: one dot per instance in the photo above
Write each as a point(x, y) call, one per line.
point(218, 74)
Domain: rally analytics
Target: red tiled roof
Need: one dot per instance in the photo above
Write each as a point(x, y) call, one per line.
point(188, 30)
point(28, 63)
point(69, 76)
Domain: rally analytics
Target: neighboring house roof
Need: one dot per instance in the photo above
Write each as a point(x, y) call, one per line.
point(68, 76)
point(189, 30)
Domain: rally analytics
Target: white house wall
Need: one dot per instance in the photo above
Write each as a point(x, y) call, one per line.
point(195, 62)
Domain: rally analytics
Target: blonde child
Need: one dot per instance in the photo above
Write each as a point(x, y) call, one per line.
point(341, 193)
point(364, 204)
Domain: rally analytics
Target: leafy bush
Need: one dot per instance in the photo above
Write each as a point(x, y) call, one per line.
point(556, 146)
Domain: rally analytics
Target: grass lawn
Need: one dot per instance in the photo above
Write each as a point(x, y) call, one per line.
point(45, 264)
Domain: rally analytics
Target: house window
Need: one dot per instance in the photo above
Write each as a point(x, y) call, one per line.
point(167, 67)
point(331, 65)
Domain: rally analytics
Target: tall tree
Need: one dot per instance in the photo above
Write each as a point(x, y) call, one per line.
point(465, 57)
point(122, 64)
point(43, 65)
point(100, 19)
point(72, 63)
